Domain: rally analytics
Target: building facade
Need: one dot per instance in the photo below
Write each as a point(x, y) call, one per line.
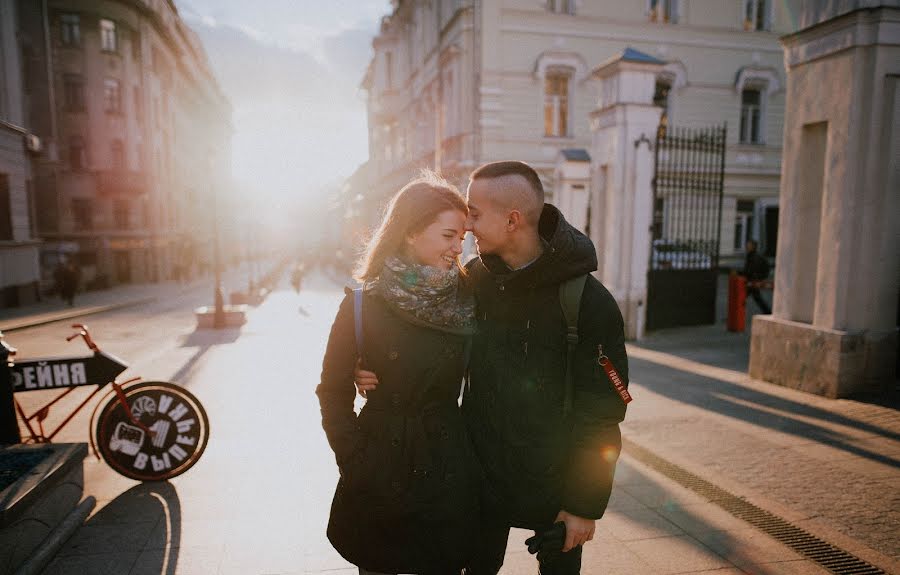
point(456, 83)
point(136, 137)
point(19, 271)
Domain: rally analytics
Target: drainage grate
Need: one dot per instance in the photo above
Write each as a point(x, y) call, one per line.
point(828, 556)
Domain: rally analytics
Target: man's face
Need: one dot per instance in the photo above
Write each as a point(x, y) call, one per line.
point(486, 220)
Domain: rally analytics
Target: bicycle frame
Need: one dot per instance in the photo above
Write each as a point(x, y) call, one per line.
point(40, 435)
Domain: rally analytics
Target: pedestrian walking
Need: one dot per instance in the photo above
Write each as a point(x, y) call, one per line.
point(67, 277)
point(756, 270)
point(544, 421)
point(407, 498)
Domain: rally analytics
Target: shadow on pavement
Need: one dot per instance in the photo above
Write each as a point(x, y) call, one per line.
point(203, 340)
point(755, 407)
point(137, 532)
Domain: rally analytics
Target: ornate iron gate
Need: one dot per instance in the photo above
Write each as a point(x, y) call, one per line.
point(687, 215)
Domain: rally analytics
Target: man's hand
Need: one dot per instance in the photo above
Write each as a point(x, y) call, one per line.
point(578, 530)
point(364, 380)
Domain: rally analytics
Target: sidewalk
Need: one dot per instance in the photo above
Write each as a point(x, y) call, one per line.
point(258, 501)
point(86, 303)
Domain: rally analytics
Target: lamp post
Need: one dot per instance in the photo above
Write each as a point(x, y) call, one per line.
point(219, 303)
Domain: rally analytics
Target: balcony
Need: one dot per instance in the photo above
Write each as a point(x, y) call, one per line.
point(121, 183)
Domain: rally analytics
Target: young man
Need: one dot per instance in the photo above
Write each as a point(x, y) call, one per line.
point(543, 463)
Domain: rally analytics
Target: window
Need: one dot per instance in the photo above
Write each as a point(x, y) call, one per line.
point(756, 15)
point(77, 155)
point(112, 96)
point(388, 70)
point(82, 214)
point(70, 29)
point(743, 224)
point(118, 155)
point(109, 42)
point(556, 104)
point(561, 6)
point(73, 89)
point(751, 113)
point(665, 11)
point(661, 99)
point(122, 214)
point(136, 47)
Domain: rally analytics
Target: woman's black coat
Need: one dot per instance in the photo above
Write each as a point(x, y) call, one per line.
point(407, 498)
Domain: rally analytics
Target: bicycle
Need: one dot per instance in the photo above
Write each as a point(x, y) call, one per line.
point(146, 430)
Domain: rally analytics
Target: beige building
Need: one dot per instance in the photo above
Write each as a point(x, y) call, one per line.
point(136, 136)
point(455, 83)
point(19, 272)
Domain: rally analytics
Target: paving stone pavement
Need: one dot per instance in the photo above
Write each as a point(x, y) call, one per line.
point(258, 501)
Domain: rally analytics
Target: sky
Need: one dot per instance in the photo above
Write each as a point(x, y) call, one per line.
point(291, 70)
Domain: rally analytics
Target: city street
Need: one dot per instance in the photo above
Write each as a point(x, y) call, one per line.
point(258, 500)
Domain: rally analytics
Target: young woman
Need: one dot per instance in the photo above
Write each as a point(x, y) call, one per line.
point(407, 498)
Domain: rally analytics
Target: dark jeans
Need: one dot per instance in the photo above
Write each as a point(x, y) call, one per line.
point(491, 548)
point(758, 298)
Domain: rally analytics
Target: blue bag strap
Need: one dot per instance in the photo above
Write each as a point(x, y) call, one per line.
point(357, 319)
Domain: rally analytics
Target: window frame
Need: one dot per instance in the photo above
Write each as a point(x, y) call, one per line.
point(562, 7)
point(753, 24)
point(70, 29)
point(672, 7)
point(551, 100)
point(82, 214)
point(109, 36)
point(73, 92)
point(79, 143)
point(745, 136)
point(112, 99)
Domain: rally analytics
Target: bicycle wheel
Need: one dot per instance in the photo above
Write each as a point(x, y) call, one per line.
point(179, 424)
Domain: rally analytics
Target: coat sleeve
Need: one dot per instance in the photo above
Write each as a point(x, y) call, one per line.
point(597, 409)
point(336, 390)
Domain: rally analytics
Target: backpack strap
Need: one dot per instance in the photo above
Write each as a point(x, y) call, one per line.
point(357, 319)
point(570, 292)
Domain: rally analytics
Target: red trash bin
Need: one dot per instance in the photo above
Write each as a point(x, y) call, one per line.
point(737, 302)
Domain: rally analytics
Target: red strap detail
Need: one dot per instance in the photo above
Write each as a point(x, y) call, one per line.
point(615, 379)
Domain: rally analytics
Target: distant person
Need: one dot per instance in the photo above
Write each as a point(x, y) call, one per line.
point(67, 276)
point(407, 499)
point(297, 276)
point(756, 270)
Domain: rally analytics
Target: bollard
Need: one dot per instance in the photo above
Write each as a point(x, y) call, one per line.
point(9, 427)
point(737, 302)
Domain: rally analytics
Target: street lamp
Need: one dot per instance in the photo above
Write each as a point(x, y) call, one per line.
point(219, 303)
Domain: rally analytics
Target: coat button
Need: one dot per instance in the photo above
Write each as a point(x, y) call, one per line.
point(395, 398)
point(393, 355)
point(395, 442)
point(445, 435)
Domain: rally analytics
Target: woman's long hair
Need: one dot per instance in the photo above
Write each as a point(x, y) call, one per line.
point(411, 210)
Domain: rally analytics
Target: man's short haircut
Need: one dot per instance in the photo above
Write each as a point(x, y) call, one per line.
point(527, 198)
point(511, 168)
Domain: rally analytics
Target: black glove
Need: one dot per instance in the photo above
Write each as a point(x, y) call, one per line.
point(548, 541)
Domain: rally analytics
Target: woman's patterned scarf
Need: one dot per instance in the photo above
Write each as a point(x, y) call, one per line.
point(425, 295)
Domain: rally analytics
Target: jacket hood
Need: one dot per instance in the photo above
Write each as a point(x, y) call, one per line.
point(568, 253)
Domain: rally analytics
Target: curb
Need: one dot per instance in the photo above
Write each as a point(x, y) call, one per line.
point(41, 320)
point(57, 538)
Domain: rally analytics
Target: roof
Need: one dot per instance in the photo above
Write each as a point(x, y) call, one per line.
point(632, 55)
point(576, 155)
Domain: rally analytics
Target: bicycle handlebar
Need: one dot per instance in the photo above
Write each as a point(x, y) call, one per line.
point(85, 334)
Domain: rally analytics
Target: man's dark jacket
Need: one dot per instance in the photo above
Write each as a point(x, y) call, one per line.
point(756, 267)
point(536, 461)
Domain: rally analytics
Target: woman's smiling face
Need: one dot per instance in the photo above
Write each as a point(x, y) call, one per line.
point(440, 243)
